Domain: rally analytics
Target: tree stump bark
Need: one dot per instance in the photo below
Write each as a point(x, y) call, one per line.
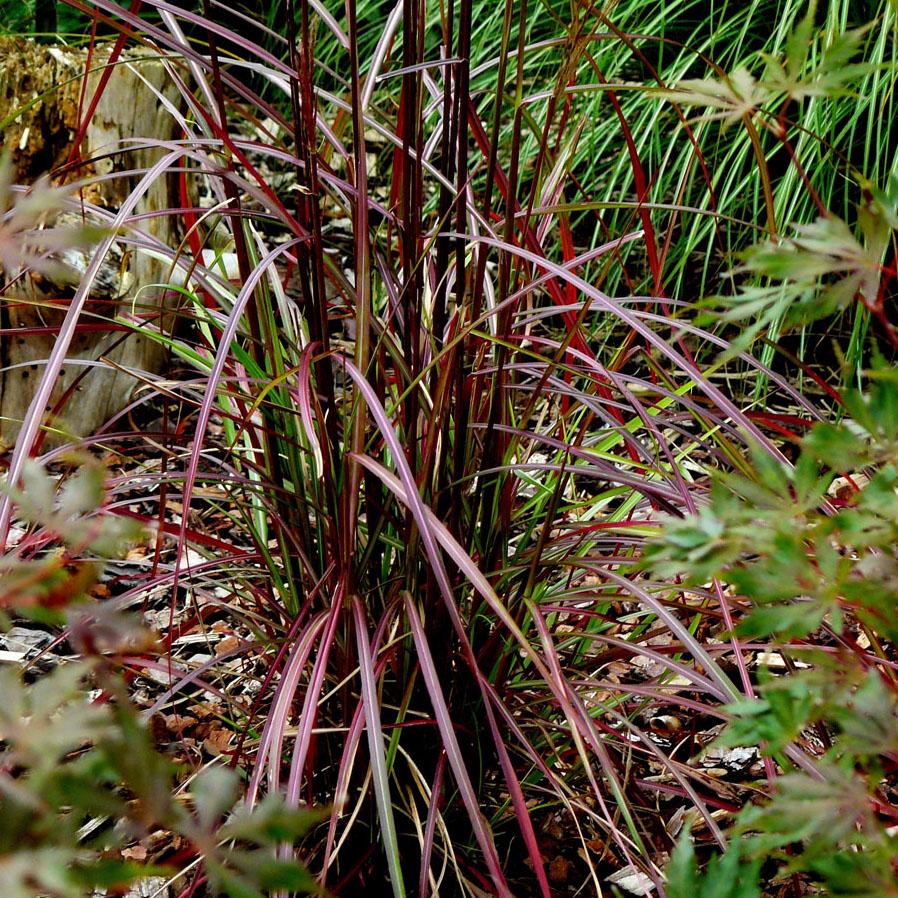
point(41, 104)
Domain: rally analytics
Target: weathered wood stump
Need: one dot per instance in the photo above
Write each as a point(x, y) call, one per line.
point(44, 86)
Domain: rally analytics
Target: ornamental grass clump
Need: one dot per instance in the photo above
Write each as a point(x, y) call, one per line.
point(435, 376)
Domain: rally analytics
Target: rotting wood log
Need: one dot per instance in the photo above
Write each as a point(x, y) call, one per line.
point(42, 106)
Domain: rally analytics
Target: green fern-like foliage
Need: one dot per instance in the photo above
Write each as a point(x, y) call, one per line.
point(820, 570)
point(80, 778)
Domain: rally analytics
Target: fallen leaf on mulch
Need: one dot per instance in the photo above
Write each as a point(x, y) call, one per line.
point(632, 880)
point(559, 870)
point(218, 740)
